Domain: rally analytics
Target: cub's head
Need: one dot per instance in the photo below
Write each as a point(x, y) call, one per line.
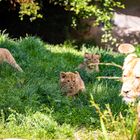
point(90, 59)
point(131, 78)
point(67, 77)
point(69, 81)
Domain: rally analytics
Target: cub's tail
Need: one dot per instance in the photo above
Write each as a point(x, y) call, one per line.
point(10, 60)
point(17, 67)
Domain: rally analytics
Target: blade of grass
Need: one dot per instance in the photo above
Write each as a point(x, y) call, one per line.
point(104, 129)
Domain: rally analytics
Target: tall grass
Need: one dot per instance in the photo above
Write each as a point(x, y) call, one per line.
point(33, 107)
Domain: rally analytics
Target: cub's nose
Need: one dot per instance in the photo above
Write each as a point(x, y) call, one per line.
point(126, 88)
point(126, 91)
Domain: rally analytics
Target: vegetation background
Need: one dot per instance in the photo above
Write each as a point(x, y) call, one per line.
point(33, 107)
point(54, 20)
point(31, 103)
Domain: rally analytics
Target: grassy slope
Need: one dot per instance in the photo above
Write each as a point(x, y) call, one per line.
point(31, 103)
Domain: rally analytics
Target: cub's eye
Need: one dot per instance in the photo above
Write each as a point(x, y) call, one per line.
point(124, 75)
point(63, 76)
point(68, 80)
point(73, 81)
point(137, 77)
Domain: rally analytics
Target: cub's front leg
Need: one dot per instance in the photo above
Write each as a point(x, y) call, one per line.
point(97, 68)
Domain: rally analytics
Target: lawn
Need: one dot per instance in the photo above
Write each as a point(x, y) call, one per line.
point(33, 107)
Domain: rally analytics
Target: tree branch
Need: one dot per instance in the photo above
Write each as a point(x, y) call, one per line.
point(106, 77)
point(109, 64)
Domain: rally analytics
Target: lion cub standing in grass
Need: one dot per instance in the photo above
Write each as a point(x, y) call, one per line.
point(71, 83)
point(91, 63)
point(6, 56)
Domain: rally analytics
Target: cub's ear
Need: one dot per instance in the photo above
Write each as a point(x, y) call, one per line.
point(86, 54)
point(126, 48)
point(129, 58)
point(97, 56)
point(62, 74)
point(76, 72)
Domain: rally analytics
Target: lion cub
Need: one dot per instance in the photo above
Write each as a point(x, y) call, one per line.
point(71, 83)
point(6, 56)
point(91, 62)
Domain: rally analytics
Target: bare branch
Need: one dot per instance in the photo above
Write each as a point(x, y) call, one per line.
point(106, 77)
point(109, 64)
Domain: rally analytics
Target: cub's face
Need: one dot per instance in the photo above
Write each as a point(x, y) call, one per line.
point(131, 78)
point(90, 59)
point(68, 81)
point(71, 82)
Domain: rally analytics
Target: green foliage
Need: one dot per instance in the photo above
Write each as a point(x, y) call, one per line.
point(31, 10)
point(124, 126)
point(35, 125)
point(33, 107)
point(101, 10)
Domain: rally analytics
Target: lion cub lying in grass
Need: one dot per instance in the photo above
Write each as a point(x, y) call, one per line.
point(6, 56)
point(91, 63)
point(71, 83)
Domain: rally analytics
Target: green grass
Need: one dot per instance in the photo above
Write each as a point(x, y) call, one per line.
point(33, 107)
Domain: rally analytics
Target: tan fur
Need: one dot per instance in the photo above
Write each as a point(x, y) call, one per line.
point(6, 56)
point(126, 48)
point(91, 63)
point(131, 78)
point(71, 83)
point(131, 73)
